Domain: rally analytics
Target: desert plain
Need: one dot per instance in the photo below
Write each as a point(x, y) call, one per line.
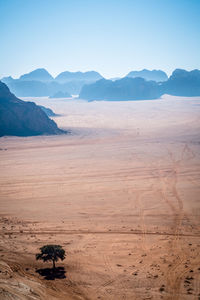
point(120, 192)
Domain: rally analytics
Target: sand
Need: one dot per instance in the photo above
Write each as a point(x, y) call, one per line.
point(120, 193)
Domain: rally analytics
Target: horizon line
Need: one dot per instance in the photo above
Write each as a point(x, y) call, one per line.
point(106, 77)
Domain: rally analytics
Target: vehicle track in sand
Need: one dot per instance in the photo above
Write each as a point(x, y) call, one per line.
point(77, 266)
point(88, 232)
point(139, 195)
point(81, 266)
point(168, 186)
point(174, 276)
point(116, 279)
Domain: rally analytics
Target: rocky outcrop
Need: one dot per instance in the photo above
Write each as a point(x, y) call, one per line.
point(37, 75)
point(183, 83)
point(21, 118)
point(48, 111)
point(40, 83)
point(123, 89)
point(90, 76)
point(155, 75)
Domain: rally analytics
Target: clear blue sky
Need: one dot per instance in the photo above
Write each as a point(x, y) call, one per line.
point(109, 36)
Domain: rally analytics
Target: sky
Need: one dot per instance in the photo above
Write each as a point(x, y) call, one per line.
point(112, 37)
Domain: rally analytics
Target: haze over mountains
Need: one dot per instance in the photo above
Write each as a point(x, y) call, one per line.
point(78, 76)
point(38, 75)
point(92, 86)
point(123, 89)
point(183, 83)
point(180, 83)
point(40, 82)
point(21, 118)
point(155, 75)
point(60, 95)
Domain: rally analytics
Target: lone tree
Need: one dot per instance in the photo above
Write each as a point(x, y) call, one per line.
point(51, 253)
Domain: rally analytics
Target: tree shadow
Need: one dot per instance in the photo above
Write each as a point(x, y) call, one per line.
point(52, 274)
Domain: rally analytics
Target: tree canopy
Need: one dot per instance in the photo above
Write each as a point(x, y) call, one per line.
point(51, 253)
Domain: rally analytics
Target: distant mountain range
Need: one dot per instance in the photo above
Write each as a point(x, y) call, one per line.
point(78, 76)
point(91, 85)
point(155, 75)
point(21, 118)
point(123, 89)
point(37, 75)
point(180, 83)
point(39, 83)
point(183, 83)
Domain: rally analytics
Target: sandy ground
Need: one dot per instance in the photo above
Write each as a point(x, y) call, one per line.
point(121, 194)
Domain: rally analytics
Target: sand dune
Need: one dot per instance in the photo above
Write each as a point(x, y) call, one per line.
point(120, 194)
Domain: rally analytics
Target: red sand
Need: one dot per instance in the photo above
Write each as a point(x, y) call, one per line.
point(121, 195)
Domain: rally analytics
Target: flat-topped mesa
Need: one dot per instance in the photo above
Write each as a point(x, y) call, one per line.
point(38, 75)
point(21, 118)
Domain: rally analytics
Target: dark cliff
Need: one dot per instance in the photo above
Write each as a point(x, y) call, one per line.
point(21, 118)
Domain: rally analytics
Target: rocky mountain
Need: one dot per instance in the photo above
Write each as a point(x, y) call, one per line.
point(23, 88)
point(7, 80)
point(123, 89)
point(37, 75)
point(21, 118)
point(40, 83)
point(183, 83)
point(90, 76)
point(48, 111)
point(180, 83)
point(155, 75)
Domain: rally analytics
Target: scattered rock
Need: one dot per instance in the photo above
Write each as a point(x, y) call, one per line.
point(189, 278)
point(187, 281)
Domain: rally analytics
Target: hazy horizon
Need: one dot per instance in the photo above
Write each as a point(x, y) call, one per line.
point(111, 37)
point(110, 77)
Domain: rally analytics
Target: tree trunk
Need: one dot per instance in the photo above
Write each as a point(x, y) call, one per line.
point(54, 266)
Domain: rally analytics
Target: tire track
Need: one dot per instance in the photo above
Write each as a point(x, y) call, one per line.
point(174, 279)
point(77, 266)
point(168, 182)
point(117, 278)
point(97, 232)
point(142, 218)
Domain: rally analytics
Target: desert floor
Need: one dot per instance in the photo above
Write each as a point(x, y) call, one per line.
point(120, 193)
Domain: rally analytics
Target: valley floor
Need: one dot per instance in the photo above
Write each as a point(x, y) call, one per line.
point(120, 194)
